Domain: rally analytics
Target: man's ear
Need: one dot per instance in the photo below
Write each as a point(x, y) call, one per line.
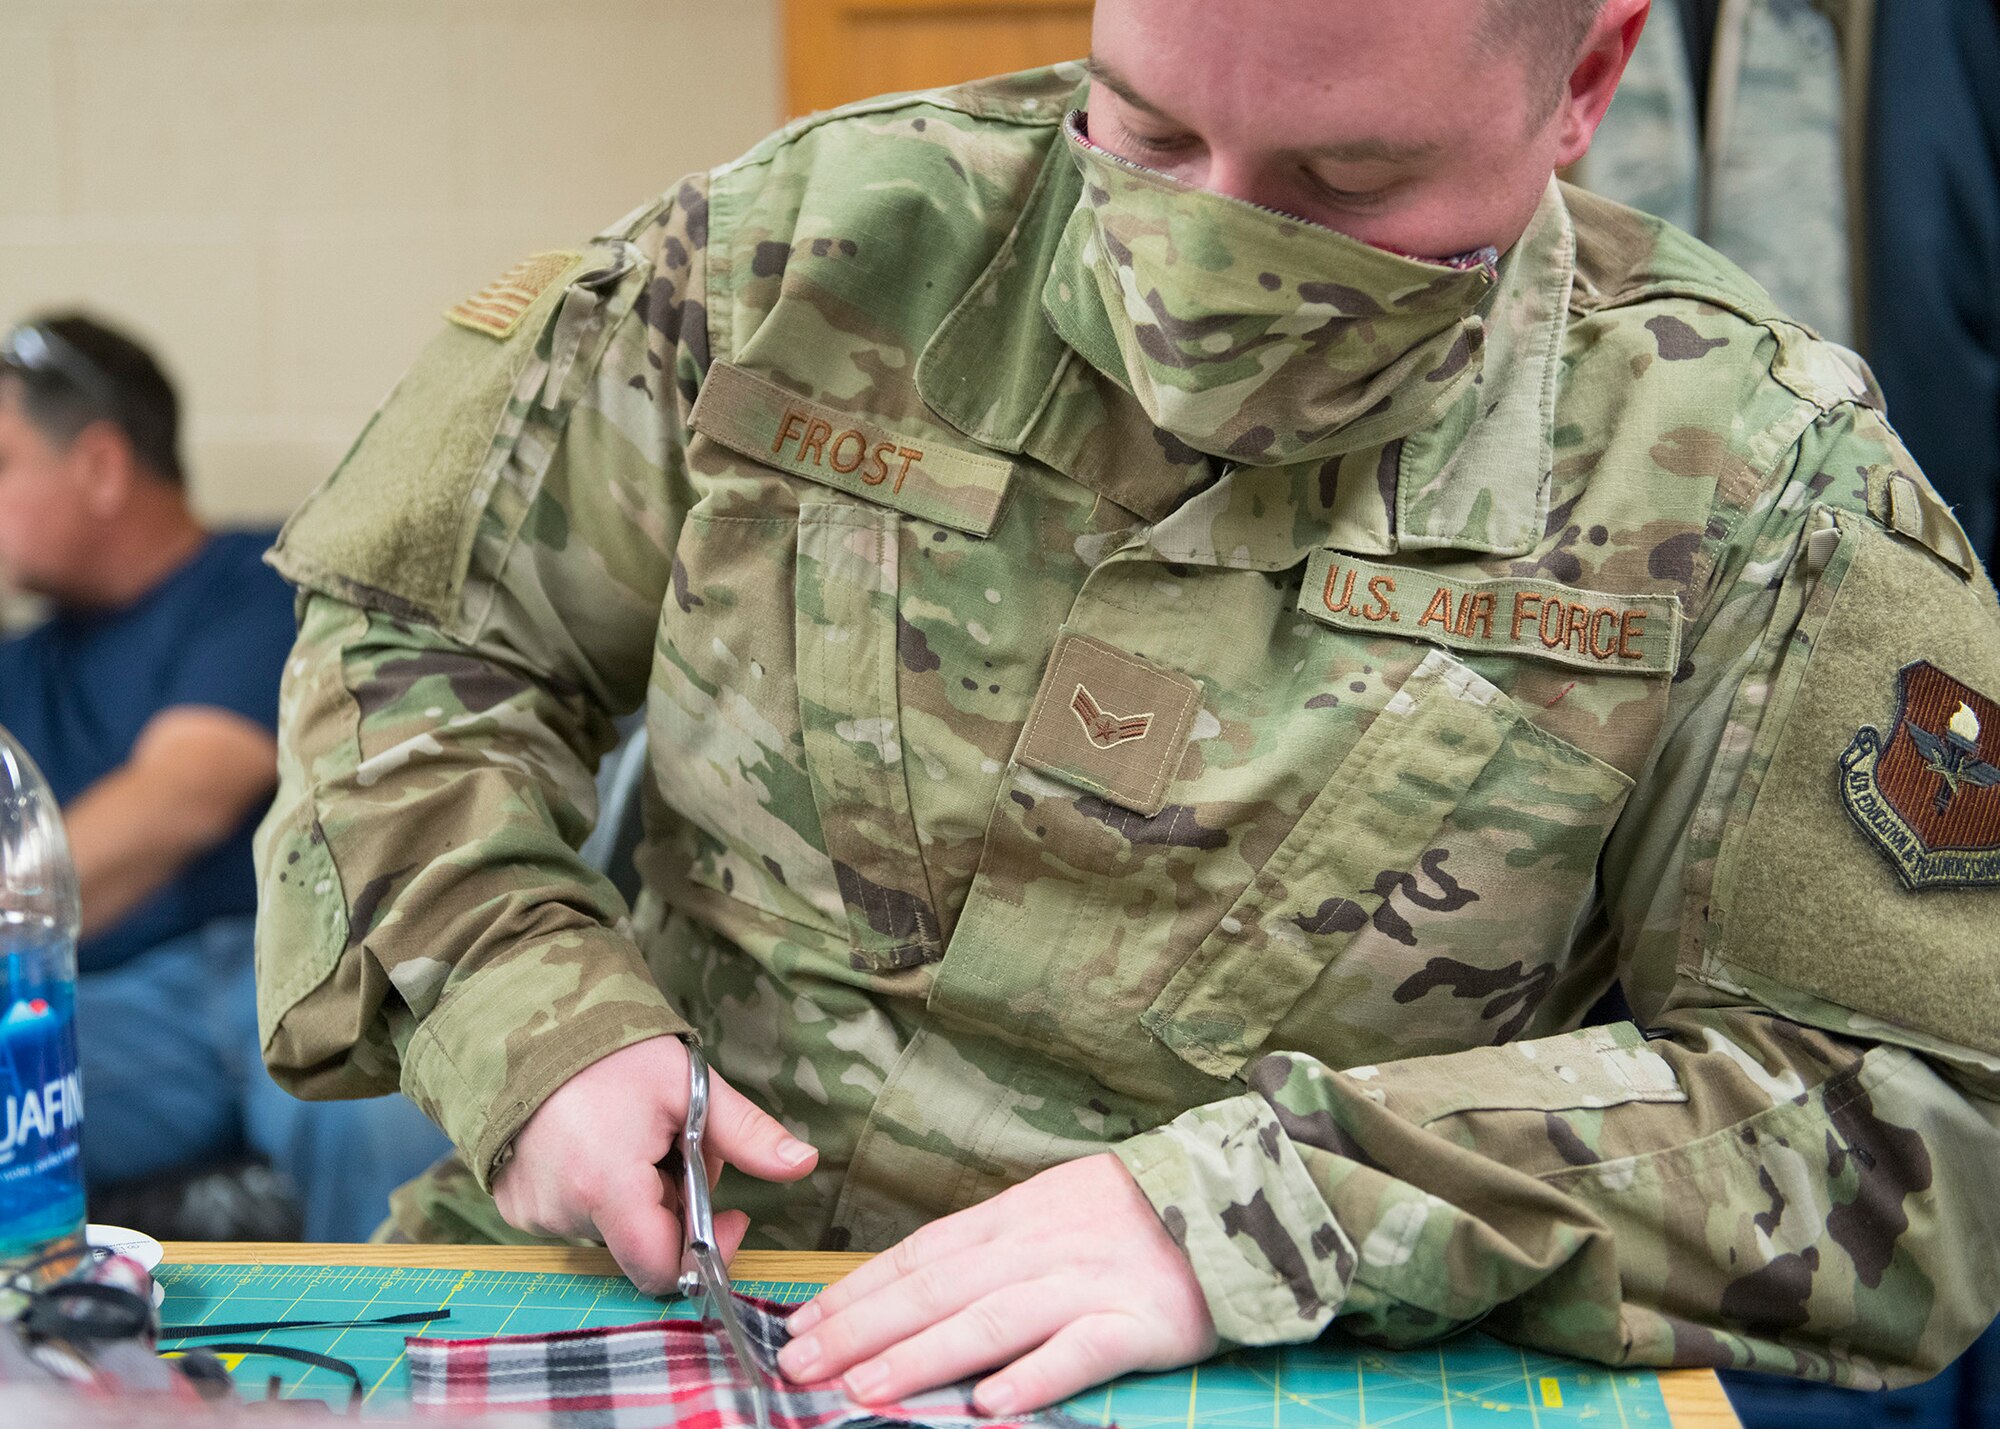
point(1600, 64)
point(105, 467)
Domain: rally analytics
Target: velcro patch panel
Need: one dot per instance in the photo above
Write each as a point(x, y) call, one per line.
point(1588, 630)
point(754, 416)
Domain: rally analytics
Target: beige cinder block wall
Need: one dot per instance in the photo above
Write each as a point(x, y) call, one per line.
point(283, 195)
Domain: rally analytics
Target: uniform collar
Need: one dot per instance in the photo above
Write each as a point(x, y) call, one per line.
point(997, 371)
point(1477, 480)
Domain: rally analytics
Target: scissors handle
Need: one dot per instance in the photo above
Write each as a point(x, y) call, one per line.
point(695, 1203)
point(701, 1262)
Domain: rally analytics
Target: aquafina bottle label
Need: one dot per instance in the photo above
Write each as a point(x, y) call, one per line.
point(41, 1091)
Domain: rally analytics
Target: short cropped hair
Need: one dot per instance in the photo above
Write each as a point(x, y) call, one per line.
point(90, 372)
point(1548, 30)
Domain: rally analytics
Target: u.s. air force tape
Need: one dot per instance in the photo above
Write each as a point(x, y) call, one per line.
point(1590, 630)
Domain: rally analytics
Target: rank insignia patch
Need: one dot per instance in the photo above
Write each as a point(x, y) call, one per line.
point(1104, 728)
point(1928, 793)
point(1111, 722)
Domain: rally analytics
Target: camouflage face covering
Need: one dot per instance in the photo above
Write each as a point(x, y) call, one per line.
point(1250, 334)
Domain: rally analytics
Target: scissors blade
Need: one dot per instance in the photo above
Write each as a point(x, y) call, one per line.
point(749, 1368)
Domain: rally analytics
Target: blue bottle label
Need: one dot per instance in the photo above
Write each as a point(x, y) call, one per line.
point(41, 1121)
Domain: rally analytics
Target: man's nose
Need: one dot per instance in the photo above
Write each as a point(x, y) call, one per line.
point(1250, 178)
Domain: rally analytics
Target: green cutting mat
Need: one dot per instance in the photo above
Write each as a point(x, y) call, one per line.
point(1471, 1383)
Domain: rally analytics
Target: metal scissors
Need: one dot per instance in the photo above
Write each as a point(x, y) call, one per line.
point(702, 1273)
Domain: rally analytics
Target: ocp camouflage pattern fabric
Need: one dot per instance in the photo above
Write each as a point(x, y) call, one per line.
point(794, 460)
point(1243, 345)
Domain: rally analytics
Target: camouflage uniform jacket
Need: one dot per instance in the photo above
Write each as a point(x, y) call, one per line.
point(1025, 784)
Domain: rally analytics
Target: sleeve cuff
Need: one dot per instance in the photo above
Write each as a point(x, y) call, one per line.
point(508, 1034)
point(1230, 1188)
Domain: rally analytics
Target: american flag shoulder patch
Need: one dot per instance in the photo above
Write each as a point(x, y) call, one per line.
point(497, 308)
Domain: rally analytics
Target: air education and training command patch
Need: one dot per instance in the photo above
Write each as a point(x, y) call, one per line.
point(1929, 793)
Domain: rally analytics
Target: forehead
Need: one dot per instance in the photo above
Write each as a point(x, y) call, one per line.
point(11, 410)
point(17, 429)
point(1296, 72)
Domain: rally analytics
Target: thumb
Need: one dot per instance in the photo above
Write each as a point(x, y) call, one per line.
point(753, 1141)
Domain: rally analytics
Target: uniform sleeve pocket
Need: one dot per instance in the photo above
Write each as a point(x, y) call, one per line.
point(394, 527)
point(1857, 886)
point(301, 919)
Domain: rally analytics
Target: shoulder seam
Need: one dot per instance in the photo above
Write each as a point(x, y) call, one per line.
point(1715, 295)
point(767, 149)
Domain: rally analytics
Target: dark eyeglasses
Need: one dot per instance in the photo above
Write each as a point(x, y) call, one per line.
point(37, 349)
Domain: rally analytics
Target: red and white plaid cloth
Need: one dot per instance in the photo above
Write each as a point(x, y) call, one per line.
point(669, 1373)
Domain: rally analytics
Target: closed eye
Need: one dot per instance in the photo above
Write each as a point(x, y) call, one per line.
point(1349, 198)
point(1149, 144)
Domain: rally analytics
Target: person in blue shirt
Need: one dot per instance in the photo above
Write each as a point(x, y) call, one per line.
point(149, 698)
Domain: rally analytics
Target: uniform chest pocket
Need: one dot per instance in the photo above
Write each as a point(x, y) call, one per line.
point(776, 714)
point(850, 710)
point(795, 548)
point(1454, 834)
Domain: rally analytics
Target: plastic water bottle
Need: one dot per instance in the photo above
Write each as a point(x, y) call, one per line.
point(41, 1096)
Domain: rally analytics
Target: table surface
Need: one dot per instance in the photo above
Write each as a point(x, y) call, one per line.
point(1694, 1396)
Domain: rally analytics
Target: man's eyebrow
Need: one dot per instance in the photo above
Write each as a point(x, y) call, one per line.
point(1102, 73)
point(1376, 151)
point(1351, 151)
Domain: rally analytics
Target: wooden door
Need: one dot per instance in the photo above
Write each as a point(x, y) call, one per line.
point(842, 50)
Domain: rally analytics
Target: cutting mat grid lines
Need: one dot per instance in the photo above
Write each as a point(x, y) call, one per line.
point(1472, 1382)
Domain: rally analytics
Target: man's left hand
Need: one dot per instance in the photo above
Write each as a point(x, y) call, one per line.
point(1065, 1281)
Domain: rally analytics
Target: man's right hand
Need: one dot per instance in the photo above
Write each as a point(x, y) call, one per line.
point(585, 1165)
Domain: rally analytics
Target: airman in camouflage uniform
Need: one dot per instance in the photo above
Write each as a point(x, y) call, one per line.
point(1268, 804)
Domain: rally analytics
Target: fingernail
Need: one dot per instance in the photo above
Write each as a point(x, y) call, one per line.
point(867, 1381)
point(794, 1154)
point(800, 1359)
point(996, 1399)
point(804, 1318)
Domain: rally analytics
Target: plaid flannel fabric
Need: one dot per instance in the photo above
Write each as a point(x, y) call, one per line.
point(669, 1373)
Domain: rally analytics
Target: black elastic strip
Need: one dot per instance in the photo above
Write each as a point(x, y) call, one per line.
point(258, 1327)
point(87, 1311)
point(286, 1352)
